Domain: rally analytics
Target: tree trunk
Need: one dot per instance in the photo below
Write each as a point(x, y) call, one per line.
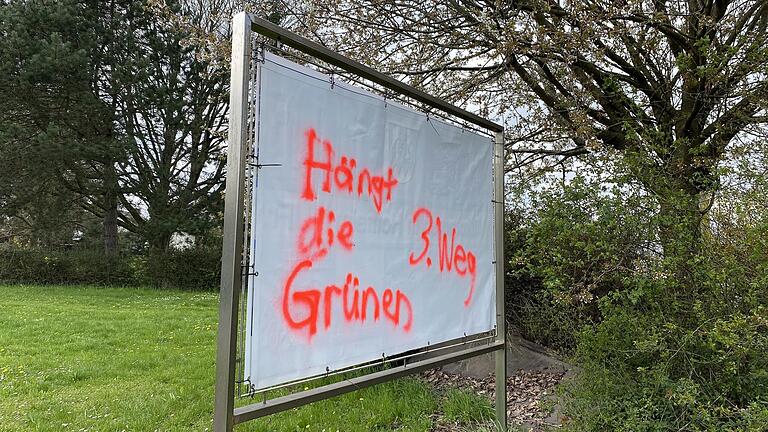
point(680, 234)
point(110, 174)
point(160, 241)
point(110, 210)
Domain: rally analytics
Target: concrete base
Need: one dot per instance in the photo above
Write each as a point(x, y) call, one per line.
point(521, 354)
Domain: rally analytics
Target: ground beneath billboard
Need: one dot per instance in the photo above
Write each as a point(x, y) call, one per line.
point(534, 373)
point(530, 394)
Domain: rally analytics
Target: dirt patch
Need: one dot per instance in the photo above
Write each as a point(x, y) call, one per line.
point(530, 396)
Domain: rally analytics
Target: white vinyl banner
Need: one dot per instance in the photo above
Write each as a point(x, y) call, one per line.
point(372, 230)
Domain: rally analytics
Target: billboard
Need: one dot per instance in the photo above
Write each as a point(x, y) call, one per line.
point(372, 230)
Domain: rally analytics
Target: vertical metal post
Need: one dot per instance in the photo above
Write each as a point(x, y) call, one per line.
point(231, 257)
point(498, 232)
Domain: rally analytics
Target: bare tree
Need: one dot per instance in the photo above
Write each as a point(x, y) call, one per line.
point(662, 86)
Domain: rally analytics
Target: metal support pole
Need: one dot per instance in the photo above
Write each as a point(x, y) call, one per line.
point(501, 327)
point(231, 256)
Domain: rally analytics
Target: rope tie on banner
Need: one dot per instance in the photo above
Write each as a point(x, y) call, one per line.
point(267, 165)
point(261, 52)
point(259, 165)
point(433, 126)
point(253, 273)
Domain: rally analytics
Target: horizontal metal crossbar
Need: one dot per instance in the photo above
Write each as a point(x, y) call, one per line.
point(254, 411)
point(428, 351)
point(316, 50)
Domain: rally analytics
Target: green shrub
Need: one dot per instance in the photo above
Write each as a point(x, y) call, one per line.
point(664, 360)
point(579, 244)
point(675, 343)
point(191, 269)
point(57, 267)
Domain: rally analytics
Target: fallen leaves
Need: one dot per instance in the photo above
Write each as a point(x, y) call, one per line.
point(530, 394)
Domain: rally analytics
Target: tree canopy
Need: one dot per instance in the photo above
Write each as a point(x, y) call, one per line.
point(119, 108)
point(663, 86)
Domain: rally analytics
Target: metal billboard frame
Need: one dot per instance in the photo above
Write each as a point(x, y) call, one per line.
point(225, 413)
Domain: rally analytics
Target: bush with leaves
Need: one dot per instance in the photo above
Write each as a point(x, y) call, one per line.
point(580, 243)
point(664, 358)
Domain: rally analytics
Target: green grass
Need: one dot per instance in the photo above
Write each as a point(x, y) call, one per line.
point(464, 407)
point(123, 359)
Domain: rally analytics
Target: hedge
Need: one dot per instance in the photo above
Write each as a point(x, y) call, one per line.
point(189, 269)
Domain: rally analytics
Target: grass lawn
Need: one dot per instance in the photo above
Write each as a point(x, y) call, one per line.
point(124, 359)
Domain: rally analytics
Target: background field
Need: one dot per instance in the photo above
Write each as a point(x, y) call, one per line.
point(122, 359)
